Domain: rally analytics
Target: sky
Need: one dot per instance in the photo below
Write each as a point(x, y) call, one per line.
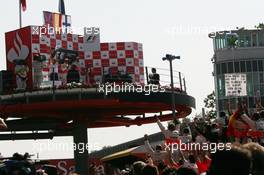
point(167, 26)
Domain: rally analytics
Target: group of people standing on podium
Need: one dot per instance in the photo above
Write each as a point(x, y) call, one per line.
point(63, 68)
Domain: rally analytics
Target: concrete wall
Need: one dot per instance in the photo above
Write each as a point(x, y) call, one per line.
point(239, 53)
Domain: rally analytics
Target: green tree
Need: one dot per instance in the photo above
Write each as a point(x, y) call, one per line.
point(210, 105)
point(232, 41)
point(260, 26)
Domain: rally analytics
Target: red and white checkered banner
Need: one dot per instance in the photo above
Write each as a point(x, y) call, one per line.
point(94, 60)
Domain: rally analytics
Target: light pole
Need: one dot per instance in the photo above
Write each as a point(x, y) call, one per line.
point(170, 58)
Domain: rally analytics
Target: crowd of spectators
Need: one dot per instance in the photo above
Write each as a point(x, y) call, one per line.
point(229, 145)
point(239, 134)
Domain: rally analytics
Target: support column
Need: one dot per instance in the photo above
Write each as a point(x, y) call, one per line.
point(80, 137)
point(172, 91)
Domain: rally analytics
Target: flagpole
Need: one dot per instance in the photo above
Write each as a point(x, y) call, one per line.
point(20, 14)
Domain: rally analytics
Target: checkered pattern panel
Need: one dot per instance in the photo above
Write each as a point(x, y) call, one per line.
point(125, 57)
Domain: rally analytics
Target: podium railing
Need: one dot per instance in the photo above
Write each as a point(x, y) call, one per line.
point(163, 81)
point(179, 82)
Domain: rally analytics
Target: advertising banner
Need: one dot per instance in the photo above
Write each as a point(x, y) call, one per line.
point(236, 84)
point(18, 57)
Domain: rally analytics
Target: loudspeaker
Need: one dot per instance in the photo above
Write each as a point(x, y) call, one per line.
point(6, 81)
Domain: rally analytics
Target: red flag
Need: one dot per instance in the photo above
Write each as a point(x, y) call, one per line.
point(230, 127)
point(48, 18)
point(23, 4)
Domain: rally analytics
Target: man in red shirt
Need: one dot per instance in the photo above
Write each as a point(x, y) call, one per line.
point(203, 162)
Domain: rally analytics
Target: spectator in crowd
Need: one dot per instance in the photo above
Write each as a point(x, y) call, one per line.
point(236, 161)
point(161, 166)
point(138, 167)
point(169, 171)
point(222, 126)
point(156, 155)
point(18, 165)
point(171, 134)
point(186, 137)
point(214, 133)
point(239, 124)
point(260, 126)
point(124, 172)
point(257, 153)
point(186, 171)
point(203, 162)
point(200, 138)
point(150, 170)
point(188, 163)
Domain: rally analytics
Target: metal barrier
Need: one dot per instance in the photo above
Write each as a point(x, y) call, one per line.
point(163, 81)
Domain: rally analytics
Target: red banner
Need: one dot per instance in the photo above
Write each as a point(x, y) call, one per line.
point(66, 166)
point(19, 58)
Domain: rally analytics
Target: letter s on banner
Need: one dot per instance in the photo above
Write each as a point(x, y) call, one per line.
point(61, 167)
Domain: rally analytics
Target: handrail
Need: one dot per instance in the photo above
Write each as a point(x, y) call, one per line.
point(164, 74)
